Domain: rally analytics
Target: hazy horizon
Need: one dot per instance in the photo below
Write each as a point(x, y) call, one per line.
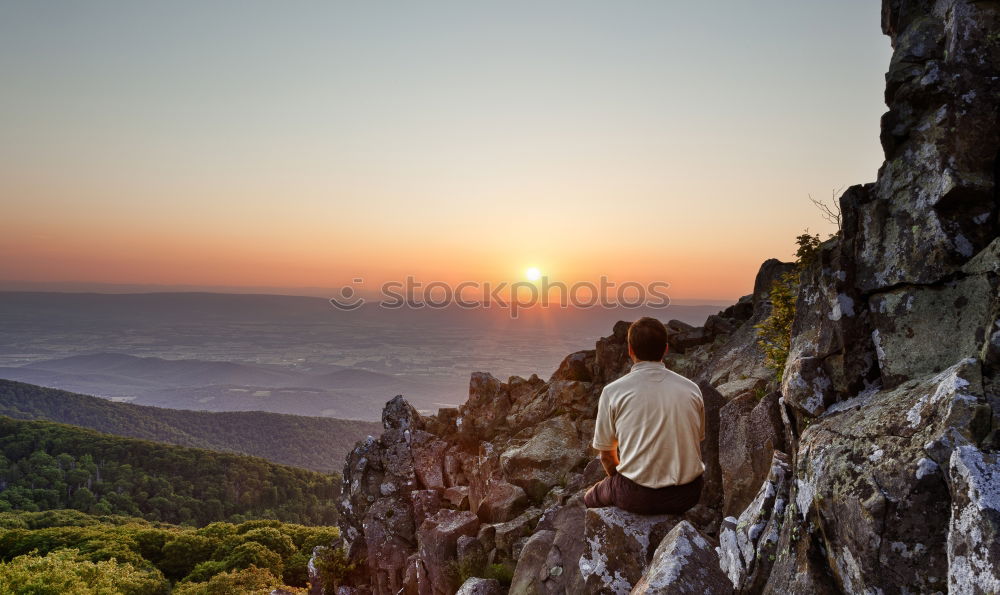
point(16, 286)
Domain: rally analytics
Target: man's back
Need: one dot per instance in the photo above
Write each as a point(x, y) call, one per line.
point(656, 420)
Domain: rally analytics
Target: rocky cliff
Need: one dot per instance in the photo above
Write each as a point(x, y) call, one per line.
point(871, 467)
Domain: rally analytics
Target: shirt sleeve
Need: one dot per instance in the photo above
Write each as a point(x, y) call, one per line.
point(604, 427)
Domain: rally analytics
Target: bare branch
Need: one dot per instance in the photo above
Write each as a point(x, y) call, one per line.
point(830, 211)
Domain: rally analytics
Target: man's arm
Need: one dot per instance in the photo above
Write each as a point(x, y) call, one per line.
point(605, 438)
point(609, 460)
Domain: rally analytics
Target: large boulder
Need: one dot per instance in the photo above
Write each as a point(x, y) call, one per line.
point(438, 548)
point(831, 356)
point(428, 458)
point(685, 563)
point(871, 489)
point(682, 341)
point(503, 501)
point(619, 546)
point(750, 431)
point(611, 360)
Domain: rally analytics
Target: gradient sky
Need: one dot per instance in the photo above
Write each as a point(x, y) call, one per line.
point(306, 143)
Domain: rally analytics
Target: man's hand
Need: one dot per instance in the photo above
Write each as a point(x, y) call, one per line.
point(609, 460)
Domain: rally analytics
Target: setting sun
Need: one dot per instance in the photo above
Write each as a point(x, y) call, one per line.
point(533, 274)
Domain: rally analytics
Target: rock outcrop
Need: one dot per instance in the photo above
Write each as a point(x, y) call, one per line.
point(685, 563)
point(871, 466)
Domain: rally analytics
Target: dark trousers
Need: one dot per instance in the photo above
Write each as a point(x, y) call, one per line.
point(618, 490)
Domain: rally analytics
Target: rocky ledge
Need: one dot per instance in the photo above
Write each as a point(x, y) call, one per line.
point(870, 467)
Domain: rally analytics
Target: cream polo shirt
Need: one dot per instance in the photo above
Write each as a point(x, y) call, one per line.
point(656, 419)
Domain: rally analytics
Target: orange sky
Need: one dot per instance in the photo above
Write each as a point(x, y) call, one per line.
point(447, 142)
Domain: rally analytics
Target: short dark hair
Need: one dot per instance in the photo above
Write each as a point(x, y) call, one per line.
point(648, 339)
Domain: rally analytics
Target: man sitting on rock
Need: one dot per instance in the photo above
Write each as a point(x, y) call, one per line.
point(650, 424)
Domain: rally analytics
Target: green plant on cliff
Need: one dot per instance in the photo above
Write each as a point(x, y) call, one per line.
point(775, 332)
point(808, 248)
point(333, 566)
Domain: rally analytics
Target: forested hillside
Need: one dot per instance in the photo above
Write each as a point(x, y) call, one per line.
point(316, 443)
point(114, 554)
point(45, 465)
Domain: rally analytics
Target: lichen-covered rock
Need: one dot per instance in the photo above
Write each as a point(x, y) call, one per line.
point(934, 201)
point(922, 330)
point(376, 513)
point(480, 586)
point(750, 431)
point(389, 535)
point(870, 488)
point(974, 530)
point(748, 544)
point(684, 563)
point(398, 414)
point(831, 356)
point(618, 547)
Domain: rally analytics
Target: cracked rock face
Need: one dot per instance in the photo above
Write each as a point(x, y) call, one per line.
point(934, 205)
point(870, 485)
point(917, 329)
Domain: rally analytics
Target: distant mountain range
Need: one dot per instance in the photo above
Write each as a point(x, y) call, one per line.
point(220, 385)
point(315, 443)
point(284, 354)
